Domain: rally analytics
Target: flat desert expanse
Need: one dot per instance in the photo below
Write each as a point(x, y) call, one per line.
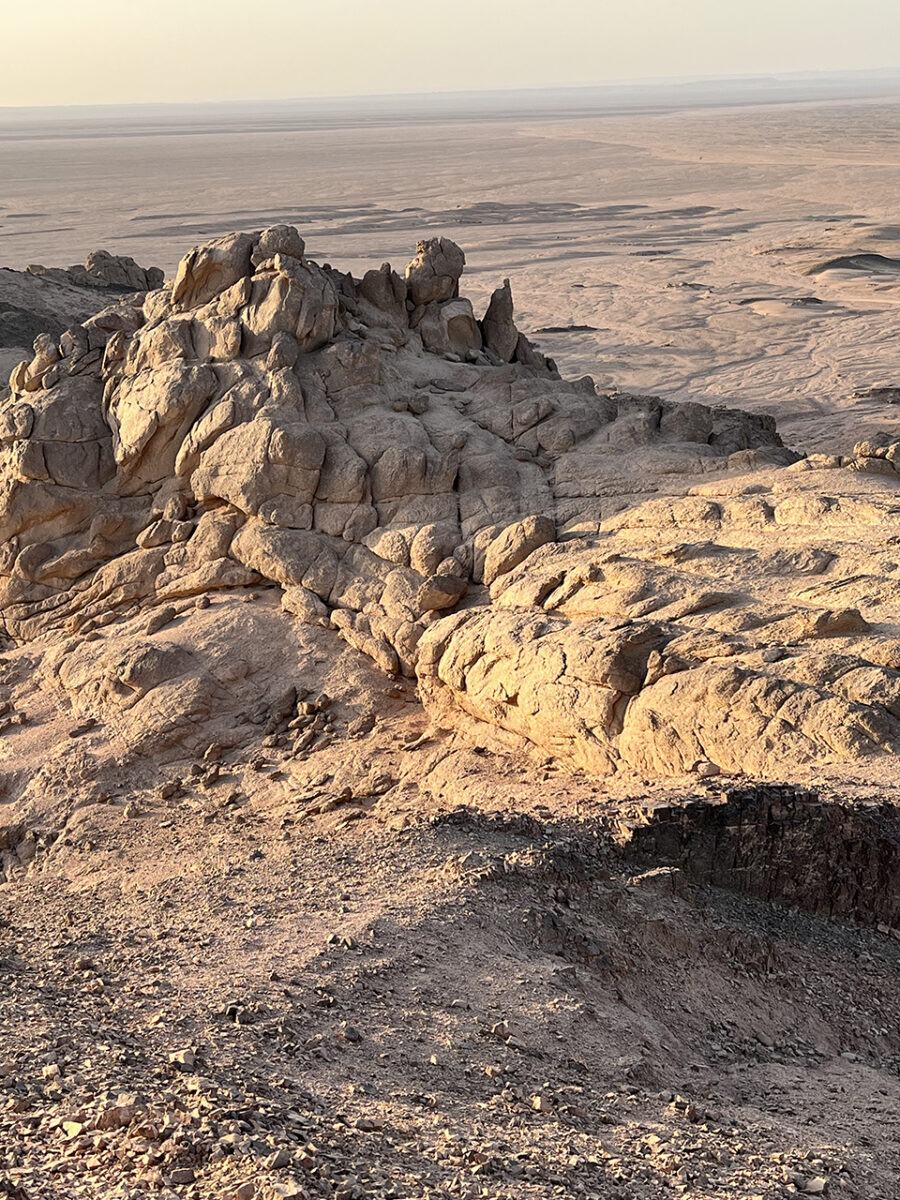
point(665, 251)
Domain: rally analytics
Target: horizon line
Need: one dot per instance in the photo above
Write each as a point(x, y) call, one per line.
point(672, 81)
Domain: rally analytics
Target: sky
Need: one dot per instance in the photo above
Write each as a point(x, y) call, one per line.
point(110, 52)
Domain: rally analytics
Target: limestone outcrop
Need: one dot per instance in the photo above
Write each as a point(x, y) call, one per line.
point(424, 484)
point(49, 300)
point(102, 270)
point(750, 626)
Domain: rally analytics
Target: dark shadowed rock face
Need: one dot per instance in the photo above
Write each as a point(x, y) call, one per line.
point(781, 844)
point(19, 326)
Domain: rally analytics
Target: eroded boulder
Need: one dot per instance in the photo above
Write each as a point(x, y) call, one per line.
point(433, 275)
point(498, 326)
point(209, 270)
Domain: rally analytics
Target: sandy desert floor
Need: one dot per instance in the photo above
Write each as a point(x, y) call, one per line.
point(666, 252)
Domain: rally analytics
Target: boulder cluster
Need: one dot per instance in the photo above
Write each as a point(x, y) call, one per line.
point(384, 457)
point(879, 455)
point(50, 300)
point(104, 271)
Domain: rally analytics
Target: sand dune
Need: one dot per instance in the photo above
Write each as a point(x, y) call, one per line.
point(875, 264)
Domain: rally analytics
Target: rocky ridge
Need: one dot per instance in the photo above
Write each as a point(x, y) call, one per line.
point(385, 458)
point(50, 299)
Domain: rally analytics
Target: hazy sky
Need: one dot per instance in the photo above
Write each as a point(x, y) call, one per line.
point(108, 51)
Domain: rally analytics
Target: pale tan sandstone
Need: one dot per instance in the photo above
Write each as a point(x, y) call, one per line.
point(369, 449)
point(682, 636)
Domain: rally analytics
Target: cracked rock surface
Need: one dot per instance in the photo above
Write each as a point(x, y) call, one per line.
point(399, 469)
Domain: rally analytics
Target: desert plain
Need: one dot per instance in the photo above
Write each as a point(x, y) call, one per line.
point(450, 751)
point(680, 240)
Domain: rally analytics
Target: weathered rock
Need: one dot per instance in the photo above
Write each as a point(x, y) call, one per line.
point(615, 658)
point(386, 292)
point(117, 272)
point(120, 271)
point(208, 270)
point(439, 592)
point(433, 275)
point(450, 328)
point(268, 420)
point(498, 327)
point(514, 545)
point(278, 239)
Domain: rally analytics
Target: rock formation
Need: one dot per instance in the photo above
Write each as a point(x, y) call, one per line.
point(641, 651)
point(51, 299)
point(427, 485)
point(105, 271)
